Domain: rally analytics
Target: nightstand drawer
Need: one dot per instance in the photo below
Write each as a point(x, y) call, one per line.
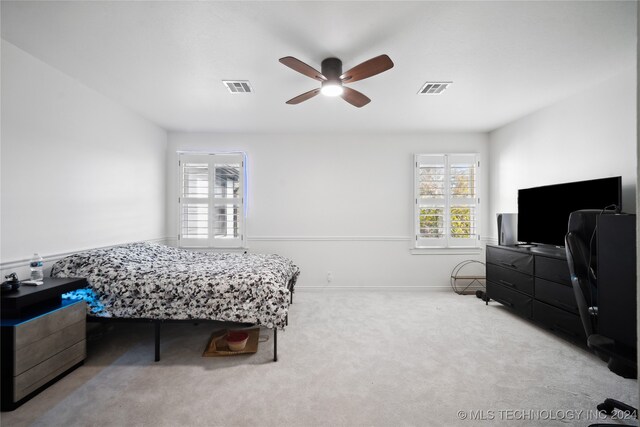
point(44, 372)
point(510, 278)
point(556, 270)
point(510, 259)
point(556, 294)
point(561, 321)
point(39, 351)
point(41, 327)
point(510, 298)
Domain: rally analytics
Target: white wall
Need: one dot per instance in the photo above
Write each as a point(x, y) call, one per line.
point(335, 203)
point(637, 189)
point(589, 135)
point(78, 170)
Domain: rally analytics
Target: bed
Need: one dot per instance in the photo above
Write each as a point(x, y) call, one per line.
point(157, 283)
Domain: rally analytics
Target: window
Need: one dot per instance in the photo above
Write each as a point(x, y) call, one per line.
point(211, 200)
point(446, 189)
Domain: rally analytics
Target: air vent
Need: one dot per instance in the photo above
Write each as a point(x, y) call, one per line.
point(433, 88)
point(238, 86)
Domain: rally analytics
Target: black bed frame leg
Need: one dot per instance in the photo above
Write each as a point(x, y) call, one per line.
point(275, 344)
point(157, 344)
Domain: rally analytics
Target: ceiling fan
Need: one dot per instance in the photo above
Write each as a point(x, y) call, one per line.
point(333, 79)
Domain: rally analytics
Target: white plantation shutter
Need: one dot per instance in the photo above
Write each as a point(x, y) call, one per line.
point(431, 200)
point(194, 198)
point(446, 200)
point(463, 200)
point(211, 200)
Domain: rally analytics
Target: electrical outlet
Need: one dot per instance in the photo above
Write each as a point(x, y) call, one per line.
point(329, 277)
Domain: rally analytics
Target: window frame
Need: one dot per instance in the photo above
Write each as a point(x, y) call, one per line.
point(446, 242)
point(213, 199)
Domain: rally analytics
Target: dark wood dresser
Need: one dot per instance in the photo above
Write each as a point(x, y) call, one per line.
point(535, 283)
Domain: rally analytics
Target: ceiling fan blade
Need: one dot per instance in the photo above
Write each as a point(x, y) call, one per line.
point(301, 67)
point(367, 69)
point(300, 98)
point(354, 97)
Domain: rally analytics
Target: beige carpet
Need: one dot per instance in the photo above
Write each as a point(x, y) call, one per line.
point(348, 358)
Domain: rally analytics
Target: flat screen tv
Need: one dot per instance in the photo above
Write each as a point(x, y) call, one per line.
point(543, 212)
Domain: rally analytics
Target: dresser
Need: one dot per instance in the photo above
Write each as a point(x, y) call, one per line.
point(535, 283)
point(43, 338)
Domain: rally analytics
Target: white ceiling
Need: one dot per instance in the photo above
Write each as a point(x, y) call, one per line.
point(166, 60)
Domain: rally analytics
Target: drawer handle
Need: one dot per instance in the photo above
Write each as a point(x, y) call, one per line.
point(508, 264)
point(563, 330)
point(504, 282)
point(501, 301)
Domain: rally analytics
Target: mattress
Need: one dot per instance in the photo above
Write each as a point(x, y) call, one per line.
point(153, 281)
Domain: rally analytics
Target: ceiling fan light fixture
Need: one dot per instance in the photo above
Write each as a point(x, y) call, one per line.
point(332, 78)
point(331, 89)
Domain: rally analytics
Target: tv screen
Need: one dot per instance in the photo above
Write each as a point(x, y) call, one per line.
point(543, 212)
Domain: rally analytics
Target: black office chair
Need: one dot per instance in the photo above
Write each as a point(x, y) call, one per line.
point(580, 246)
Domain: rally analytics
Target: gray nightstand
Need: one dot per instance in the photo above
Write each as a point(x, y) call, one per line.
point(43, 338)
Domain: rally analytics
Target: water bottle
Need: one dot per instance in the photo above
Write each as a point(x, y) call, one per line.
point(36, 266)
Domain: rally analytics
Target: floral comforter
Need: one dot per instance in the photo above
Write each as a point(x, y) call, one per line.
point(152, 281)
